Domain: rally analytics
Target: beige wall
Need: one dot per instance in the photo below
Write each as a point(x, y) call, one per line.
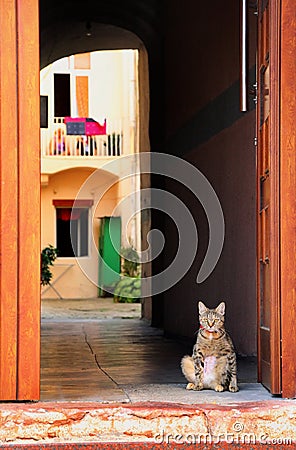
point(66, 185)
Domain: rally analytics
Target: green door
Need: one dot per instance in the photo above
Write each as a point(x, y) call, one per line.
point(109, 253)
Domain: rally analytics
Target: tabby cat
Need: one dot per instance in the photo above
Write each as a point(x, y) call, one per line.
point(213, 363)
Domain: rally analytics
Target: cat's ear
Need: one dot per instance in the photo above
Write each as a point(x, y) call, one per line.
point(221, 309)
point(202, 308)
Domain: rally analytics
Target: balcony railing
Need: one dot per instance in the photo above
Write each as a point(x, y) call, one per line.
point(57, 143)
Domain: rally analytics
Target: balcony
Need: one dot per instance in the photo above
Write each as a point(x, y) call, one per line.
point(61, 150)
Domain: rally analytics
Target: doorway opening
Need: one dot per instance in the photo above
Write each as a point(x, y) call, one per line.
point(202, 124)
point(208, 159)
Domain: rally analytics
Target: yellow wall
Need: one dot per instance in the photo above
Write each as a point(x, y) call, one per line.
point(65, 186)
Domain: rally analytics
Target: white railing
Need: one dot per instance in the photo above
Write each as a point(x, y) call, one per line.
point(55, 141)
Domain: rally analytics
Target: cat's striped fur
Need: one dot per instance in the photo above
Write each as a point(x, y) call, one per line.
point(213, 363)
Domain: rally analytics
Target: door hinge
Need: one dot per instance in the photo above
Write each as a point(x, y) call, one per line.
point(253, 91)
point(254, 6)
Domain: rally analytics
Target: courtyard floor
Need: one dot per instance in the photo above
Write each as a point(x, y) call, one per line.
point(98, 350)
point(109, 380)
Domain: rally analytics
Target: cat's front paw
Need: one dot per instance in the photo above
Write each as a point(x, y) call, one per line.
point(194, 387)
point(198, 387)
point(219, 388)
point(233, 388)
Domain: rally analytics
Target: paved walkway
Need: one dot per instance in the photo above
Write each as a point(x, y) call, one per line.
point(95, 350)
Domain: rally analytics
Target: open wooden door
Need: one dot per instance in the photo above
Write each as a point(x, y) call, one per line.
point(268, 256)
point(276, 194)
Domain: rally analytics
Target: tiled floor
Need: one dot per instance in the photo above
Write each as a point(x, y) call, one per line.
point(91, 353)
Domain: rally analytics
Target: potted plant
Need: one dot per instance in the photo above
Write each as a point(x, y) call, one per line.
point(48, 256)
point(128, 289)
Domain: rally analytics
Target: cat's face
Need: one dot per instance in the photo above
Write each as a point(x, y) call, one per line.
point(211, 319)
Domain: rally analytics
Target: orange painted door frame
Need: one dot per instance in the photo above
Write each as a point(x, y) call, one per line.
point(19, 201)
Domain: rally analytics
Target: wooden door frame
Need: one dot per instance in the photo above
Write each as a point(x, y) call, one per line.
point(20, 201)
point(20, 196)
point(275, 345)
point(287, 175)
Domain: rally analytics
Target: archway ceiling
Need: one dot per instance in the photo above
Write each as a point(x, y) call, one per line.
point(115, 24)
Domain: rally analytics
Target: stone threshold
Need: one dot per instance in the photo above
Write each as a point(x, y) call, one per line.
point(92, 425)
point(143, 446)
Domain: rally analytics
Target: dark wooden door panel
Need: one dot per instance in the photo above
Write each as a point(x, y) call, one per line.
point(268, 202)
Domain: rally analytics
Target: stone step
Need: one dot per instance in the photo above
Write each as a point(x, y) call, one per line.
point(147, 425)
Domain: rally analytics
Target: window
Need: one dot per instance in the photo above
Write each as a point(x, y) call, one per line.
point(62, 98)
point(43, 111)
point(72, 231)
point(72, 227)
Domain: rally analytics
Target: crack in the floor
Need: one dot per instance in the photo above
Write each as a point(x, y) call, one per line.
point(101, 368)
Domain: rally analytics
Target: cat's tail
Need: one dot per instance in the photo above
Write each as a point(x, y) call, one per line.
point(187, 367)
